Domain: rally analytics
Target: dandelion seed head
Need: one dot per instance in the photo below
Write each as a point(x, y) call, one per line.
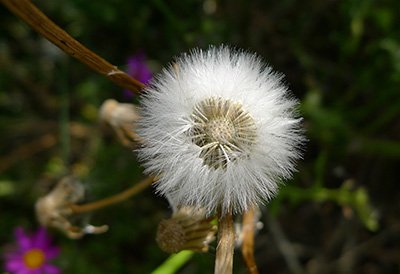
point(220, 130)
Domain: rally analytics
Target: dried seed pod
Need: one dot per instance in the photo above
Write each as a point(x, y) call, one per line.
point(186, 230)
point(54, 209)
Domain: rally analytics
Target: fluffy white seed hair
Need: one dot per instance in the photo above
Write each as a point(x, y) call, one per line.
point(220, 130)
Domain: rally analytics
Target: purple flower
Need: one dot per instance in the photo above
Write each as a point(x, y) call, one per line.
point(138, 69)
point(31, 253)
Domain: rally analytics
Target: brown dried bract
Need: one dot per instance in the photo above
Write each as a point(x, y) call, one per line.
point(186, 230)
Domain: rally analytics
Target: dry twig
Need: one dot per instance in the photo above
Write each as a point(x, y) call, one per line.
point(39, 22)
point(28, 150)
point(77, 209)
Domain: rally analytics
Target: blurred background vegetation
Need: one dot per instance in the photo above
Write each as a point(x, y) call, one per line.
point(341, 212)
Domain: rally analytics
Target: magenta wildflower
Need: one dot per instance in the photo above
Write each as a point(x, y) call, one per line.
point(138, 69)
point(31, 254)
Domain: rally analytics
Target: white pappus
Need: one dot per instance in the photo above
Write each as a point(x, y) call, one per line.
point(219, 130)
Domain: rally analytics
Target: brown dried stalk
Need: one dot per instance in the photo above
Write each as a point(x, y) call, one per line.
point(77, 209)
point(226, 244)
point(248, 241)
point(28, 150)
point(39, 22)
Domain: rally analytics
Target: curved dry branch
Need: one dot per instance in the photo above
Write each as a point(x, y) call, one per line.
point(39, 22)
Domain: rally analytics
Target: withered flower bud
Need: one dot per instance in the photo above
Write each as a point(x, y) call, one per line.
point(121, 117)
point(54, 209)
point(186, 230)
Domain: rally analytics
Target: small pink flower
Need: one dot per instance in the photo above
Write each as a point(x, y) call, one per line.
point(138, 69)
point(31, 254)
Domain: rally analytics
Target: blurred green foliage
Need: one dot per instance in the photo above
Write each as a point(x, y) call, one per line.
point(341, 58)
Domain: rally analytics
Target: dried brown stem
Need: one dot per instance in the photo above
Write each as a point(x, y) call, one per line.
point(39, 22)
point(47, 141)
point(77, 209)
point(28, 150)
point(226, 244)
point(248, 242)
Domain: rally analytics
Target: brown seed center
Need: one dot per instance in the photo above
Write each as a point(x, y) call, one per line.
point(223, 131)
point(220, 130)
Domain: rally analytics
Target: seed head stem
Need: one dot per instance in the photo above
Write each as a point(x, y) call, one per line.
point(226, 244)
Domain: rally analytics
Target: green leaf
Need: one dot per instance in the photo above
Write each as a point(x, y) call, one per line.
point(174, 262)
